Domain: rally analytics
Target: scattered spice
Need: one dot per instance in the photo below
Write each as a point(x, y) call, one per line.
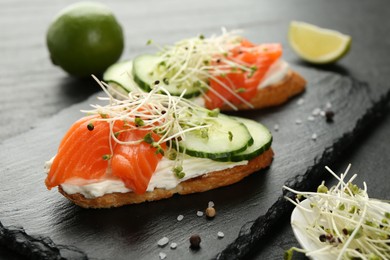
point(173, 245)
point(316, 111)
point(298, 121)
point(156, 82)
point(90, 126)
point(329, 114)
point(310, 118)
point(210, 212)
point(162, 255)
point(195, 241)
point(220, 234)
point(199, 213)
point(163, 242)
point(180, 218)
point(301, 101)
point(314, 136)
point(276, 127)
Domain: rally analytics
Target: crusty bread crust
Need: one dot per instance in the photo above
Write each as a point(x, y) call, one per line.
point(276, 94)
point(205, 182)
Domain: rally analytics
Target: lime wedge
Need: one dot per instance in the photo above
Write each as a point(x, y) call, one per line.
point(317, 45)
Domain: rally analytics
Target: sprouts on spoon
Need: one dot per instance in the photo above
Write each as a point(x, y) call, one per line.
point(343, 222)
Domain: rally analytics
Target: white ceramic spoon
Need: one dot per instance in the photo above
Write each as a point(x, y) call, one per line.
point(301, 219)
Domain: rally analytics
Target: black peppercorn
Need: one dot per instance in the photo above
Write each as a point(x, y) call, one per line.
point(329, 114)
point(90, 127)
point(156, 82)
point(195, 241)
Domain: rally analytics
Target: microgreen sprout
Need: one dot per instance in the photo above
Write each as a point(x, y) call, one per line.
point(342, 222)
point(106, 157)
point(138, 121)
point(156, 112)
point(178, 171)
point(193, 61)
point(214, 113)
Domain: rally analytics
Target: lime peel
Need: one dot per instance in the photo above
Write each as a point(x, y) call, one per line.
point(318, 45)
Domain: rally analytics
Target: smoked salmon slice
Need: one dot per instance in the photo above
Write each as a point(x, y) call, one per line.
point(135, 164)
point(85, 152)
point(258, 58)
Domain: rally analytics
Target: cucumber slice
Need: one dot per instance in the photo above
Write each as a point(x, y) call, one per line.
point(225, 137)
point(262, 140)
point(147, 69)
point(119, 76)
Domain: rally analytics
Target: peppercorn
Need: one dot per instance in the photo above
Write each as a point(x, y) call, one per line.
point(329, 114)
point(210, 212)
point(195, 241)
point(322, 238)
point(156, 82)
point(90, 127)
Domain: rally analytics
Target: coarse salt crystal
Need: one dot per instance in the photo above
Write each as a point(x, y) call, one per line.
point(173, 245)
point(298, 121)
point(162, 255)
point(199, 213)
point(220, 234)
point(180, 218)
point(322, 113)
point(314, 137)
point(300, 101)
point(276, 127)
point(316, 111)
point(211, 204)
point(328, 105)
point(310, 118)
point(163, 242)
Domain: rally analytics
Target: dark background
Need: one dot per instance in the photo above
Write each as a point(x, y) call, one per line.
point(33, 90)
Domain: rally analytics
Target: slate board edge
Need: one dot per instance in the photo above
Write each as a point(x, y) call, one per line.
point(256, 232)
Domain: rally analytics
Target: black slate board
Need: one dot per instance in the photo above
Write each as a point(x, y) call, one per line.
point(133, 231)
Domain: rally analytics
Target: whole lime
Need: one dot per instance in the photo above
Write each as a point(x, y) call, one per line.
point(85, 38)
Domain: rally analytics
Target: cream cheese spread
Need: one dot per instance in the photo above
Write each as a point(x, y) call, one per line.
point(275, 74)
point(163, 177)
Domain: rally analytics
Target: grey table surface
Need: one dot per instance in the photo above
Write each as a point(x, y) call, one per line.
point(33, 90)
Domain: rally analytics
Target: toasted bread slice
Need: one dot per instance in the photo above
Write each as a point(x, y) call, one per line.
point(203, 183)
point(275, 94)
